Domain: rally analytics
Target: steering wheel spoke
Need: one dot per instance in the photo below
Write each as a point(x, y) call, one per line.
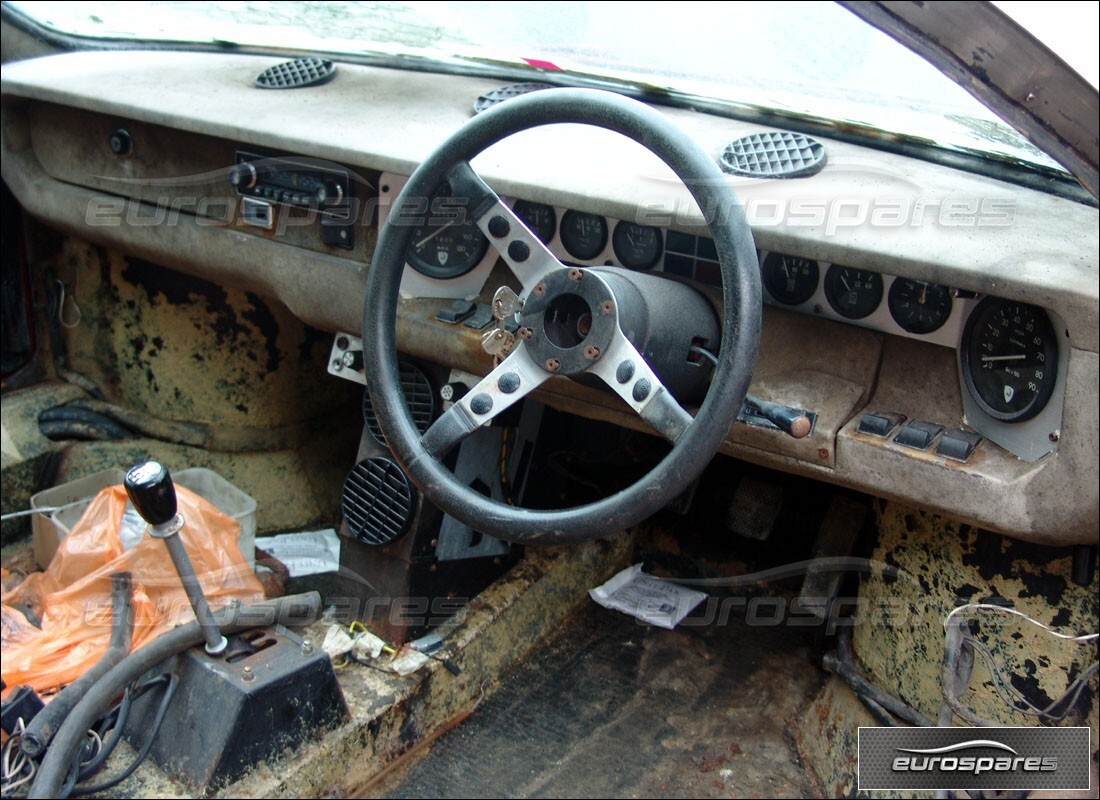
point(514, 378)
point(625, 370)
point(529, 259)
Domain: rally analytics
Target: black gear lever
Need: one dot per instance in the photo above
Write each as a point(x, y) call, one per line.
point(153, 494)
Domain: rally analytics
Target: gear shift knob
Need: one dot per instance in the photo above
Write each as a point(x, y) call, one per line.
point(152, 492)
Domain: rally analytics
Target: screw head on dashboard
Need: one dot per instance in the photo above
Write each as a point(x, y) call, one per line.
point(524, 332)
point(552, 365)
point(591, 352)
point(575, 274)
point(540, 289)
point(606, 307)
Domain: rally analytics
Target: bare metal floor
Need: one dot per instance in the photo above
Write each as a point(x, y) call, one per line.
point(611, 708)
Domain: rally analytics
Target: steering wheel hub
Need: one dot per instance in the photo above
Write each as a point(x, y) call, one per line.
point(572, 319)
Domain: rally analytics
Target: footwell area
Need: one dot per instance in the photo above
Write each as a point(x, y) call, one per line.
point(611, 708)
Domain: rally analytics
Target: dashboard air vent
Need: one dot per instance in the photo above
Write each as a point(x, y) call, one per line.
point(296, 74)
point(419, 397)
point(497, 96)
point(377, 501)
point(775, 154)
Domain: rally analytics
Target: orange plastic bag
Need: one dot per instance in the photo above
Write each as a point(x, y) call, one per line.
point(73, 596)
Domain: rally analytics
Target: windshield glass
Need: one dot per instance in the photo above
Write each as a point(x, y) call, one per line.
point(806, 59)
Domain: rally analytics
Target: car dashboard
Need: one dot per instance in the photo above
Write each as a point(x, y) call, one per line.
point(888, 280)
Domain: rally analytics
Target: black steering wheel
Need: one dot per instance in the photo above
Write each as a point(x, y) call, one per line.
point(605, 350)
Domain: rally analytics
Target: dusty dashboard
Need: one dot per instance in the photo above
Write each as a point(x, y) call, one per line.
point(952, 368)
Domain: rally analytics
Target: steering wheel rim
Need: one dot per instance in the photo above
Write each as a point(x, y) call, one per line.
point(694, 446)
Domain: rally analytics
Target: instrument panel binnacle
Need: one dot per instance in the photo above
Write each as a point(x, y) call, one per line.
point(1013, 398)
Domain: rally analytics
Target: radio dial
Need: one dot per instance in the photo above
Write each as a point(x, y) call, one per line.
point(329, 193)
point(243, 175)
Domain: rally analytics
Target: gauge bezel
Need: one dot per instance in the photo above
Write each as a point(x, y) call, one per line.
point(832, 276)
point(447, 271)
point(895, 291)
point(537, 230)
point(982, 313)
point(773, 261)
point(622, 227)
point(566, 234)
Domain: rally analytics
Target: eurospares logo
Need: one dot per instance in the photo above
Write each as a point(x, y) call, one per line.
point(974, 758)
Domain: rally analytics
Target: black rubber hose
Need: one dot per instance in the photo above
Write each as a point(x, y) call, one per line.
point(299, 609)
point(69, 422)
point(36, 738)
point(842, 664)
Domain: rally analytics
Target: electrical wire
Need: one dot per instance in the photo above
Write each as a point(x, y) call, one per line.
point(172, 683)
point(1088, 637)
point(1014, 698)
point(18, 768)
point(505, 486)
point(700, 351)
point(958, 642)
point(114, 720)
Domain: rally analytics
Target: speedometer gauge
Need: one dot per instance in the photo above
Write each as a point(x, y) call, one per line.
point(1009, 359)
point(450, 244)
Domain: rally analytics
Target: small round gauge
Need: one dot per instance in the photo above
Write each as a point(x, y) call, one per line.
point(919, 306)
point(448, 245)
point(583, 235)
point(541, 219)
point(853, 293)
point(789, 279)
point(637, 246)
point(1010, 358)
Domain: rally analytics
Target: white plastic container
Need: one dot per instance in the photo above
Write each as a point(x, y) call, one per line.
point(49, 528)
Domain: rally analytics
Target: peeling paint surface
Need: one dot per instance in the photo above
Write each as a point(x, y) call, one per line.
point(182, 348)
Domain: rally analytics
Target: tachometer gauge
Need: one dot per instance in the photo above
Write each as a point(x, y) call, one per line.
point(449, 245)
point(789, 279)
point(1009, 358)
point(583, 235)
point(853, 293)
point(541, 219)
point(637, 246)
point(918, 306)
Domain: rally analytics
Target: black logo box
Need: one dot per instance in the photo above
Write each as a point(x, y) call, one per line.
point(974, 758)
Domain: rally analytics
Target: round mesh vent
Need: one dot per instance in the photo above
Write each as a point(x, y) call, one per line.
point(296, 74)
point(497, 96)
point(419, 397)
point(775, 154)
point(377, 501)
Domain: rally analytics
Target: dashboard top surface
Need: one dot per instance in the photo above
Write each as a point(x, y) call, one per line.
point(867, 209)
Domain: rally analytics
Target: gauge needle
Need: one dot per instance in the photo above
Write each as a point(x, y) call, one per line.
point(923, 293)
point(433, 234)
point(1017, 357)
point(844, 283)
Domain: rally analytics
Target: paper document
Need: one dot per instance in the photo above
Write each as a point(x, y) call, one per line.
point(305, 553)
point(651, 599)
